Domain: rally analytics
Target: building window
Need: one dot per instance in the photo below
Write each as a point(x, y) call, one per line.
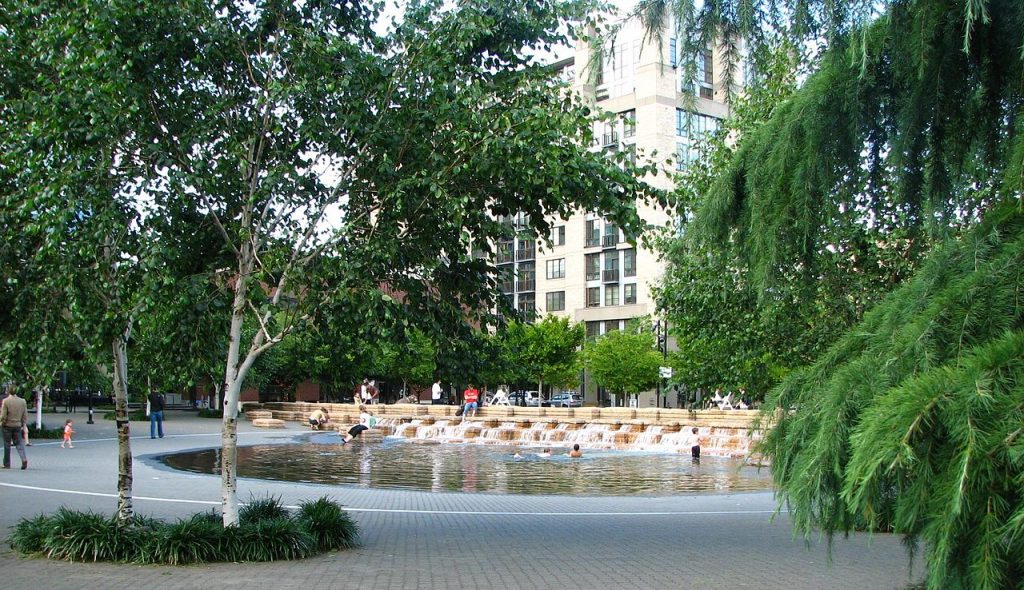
point(556, 268)
point(593, 234)
point(611, 267)
point(555, 301)
point(684, 155)
point(628, 123)
point(611, 294)
point(672, 59)
point(629, 294)
point(506, 252)
point(694, 125)
point(527, 305)
point(629, 263)
point(611, 326)
point(525, 250)
point(593, 296)
point(593, 267)
point(707, 92)
point(593, 330)
point(706, 67)
point(611, 236)
point(527, 277)
point(506, 279)
point(558, 235)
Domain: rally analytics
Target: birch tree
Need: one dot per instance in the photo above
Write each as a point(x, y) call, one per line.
point(334, 162)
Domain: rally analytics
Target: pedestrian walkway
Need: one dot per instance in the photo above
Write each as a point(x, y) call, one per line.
point(414, 539)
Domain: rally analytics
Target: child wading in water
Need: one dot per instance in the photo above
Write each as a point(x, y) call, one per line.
point(67, 435)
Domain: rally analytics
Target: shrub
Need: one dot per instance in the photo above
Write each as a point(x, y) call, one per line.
point(210, 413)
point(82, 536)
point(257, 509)
point(329, 524)
point(266, 533)
point(270, 539)
point(44, 432)
point(198, 539)
point(133, 416)
point(29, 535)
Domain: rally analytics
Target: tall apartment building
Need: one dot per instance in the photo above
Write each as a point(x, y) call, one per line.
point(590, 273)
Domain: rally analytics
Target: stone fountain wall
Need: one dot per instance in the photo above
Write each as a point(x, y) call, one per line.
point(721, 432)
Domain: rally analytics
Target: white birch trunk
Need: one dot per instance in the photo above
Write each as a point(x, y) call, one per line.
point(124, 450)
point(39, 409)
point(232, 392)
point(234, 376)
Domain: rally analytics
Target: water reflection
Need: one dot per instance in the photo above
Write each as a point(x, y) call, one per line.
point(481, 468)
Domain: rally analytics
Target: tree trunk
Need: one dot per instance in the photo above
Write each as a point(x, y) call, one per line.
point(39, 409)
point(234, 376)
point(232, 392)
point(124, 449)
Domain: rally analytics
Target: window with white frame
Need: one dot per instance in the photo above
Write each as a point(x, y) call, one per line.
point(611, 294)
point(556, 268)
point(629, 262)
point(555, 301)
point(558, 235)
point(629, 293)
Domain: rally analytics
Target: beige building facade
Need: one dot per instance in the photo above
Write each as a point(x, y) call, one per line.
point(589, 272)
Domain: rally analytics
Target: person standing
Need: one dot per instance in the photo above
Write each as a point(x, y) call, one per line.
point(435, 393)
point(156, 414)
point(13, 417)
point(694, 443)
point(472, 398)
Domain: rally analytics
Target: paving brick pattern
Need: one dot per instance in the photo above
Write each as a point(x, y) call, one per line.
point(420, 540)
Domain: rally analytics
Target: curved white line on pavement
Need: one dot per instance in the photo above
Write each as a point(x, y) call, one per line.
point(411, 511)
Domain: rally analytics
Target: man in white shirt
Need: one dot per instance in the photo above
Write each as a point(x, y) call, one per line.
point(435, 393)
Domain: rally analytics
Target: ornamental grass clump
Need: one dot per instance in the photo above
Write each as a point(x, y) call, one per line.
point(198, 539)
point(267, 532)
point(259, 509)
point(331, 527)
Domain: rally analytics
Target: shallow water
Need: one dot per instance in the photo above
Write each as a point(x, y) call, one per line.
point(401, 464)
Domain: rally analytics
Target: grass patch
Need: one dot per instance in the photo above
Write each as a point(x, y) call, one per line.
point(267, 532)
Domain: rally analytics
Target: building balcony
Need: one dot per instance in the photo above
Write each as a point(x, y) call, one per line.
point(594, 276)
point(504, 257)
point(610, 241)
point(526, 285)
point(593, 242)
point(525, 254)
point(611, 275)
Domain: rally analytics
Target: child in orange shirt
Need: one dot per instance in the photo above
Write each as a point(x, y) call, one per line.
point(67, 435)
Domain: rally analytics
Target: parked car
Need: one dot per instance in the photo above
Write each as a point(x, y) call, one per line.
point(566, 399)
point(527, 398)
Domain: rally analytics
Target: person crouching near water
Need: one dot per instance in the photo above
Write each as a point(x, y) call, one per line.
point(319, 418)
point(366, 421)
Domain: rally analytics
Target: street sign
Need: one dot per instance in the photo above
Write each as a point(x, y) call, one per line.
point(666, 372)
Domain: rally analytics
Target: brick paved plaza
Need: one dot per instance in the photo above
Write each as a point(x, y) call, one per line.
point(415, 540)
